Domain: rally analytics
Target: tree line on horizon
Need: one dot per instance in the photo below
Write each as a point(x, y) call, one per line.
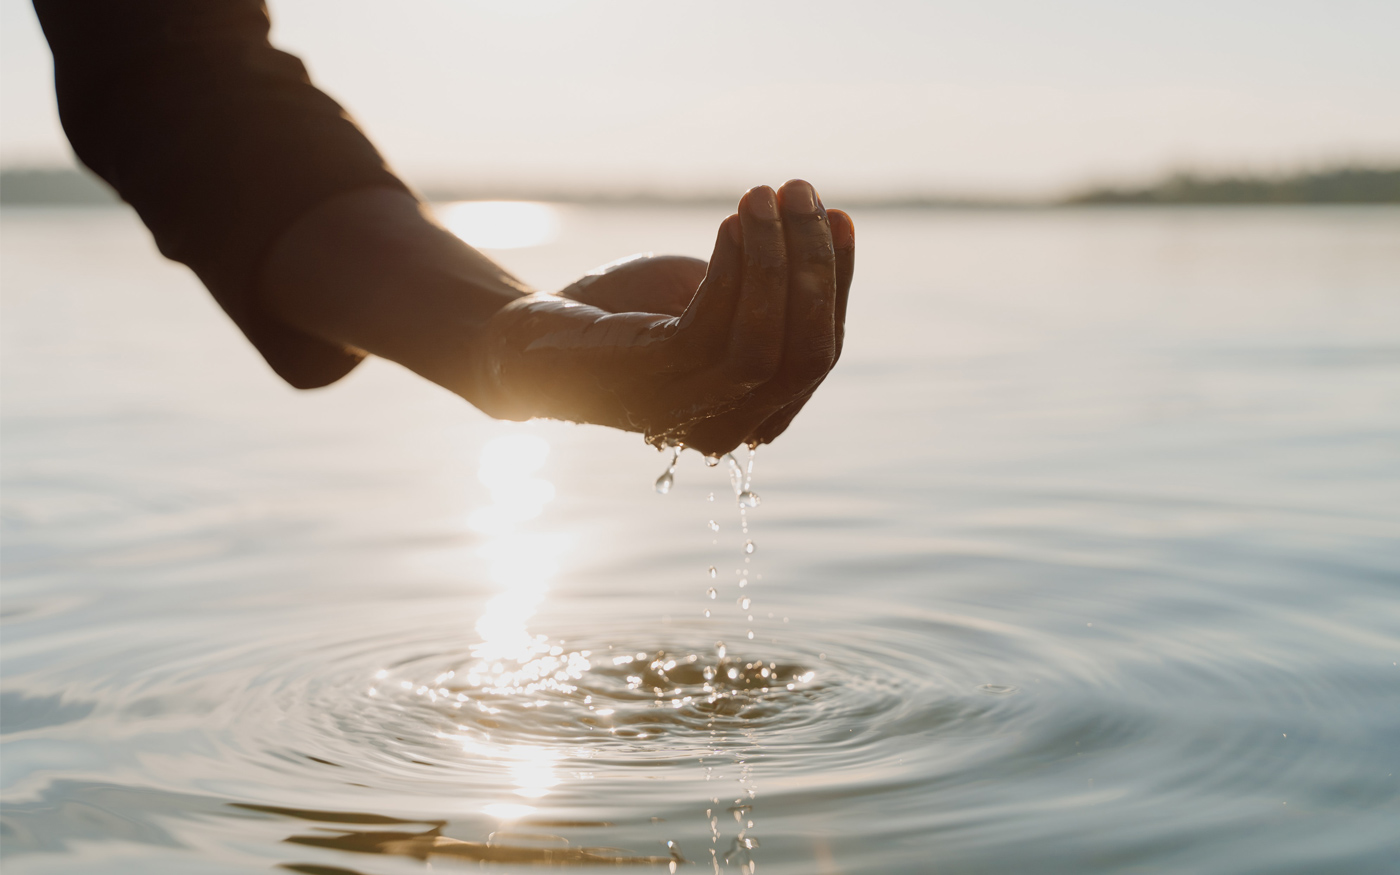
point(1342, 185)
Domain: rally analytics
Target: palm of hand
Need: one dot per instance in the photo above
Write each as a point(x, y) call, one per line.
point(709, 356)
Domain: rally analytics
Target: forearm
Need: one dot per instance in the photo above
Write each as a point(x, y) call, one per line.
point(371, 270)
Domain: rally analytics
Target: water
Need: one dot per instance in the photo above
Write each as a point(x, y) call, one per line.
point(668, 477)
point(1087, 553)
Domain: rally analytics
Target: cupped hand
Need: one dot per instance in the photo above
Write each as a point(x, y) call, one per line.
point(709, 356)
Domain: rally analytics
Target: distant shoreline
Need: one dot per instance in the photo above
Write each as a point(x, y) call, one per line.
point(69, 187)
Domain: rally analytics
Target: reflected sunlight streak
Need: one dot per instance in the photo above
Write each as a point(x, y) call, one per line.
point(509, 660)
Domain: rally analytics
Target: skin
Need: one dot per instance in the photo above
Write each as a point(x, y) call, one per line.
point(709, 355)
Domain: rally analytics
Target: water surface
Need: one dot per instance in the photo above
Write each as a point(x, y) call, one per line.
point(1084, 560)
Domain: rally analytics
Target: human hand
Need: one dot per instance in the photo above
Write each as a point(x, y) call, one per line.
point(731, 363)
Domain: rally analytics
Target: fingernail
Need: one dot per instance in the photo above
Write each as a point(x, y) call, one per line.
point(762, 203)
point(800, 197)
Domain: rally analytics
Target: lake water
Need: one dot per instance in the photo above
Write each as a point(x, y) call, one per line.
point(1085, 559)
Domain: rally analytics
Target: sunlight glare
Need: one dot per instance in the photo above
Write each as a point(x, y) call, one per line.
point(508, 810)
point(509, 660)
point(506, 465)
point(501, 224)
point(532, 771)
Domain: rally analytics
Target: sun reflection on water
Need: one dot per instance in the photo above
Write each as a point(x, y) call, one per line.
point(509, 660)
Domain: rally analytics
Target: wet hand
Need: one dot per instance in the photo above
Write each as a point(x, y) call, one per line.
point(708, 356)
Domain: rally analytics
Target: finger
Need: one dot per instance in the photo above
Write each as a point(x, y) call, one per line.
point(718, 435)
point(776, 424)
point(743, 422)
point(843, 240)
point(710, 312)
point(810, 342)
point(756, 335)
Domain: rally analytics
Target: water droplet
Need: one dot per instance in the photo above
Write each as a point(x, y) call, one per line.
point(749, 499)
point(714, 526)
point(743, 582)
point(712, 572)
point(707, 613)
point(750, 634)
point(711, 498)
point(668, 477)
point(736, 474)
point(711, 592)
point(711, 461)
point(720, 649)
point(745, 602)
point(748, 546)
point(709, 673)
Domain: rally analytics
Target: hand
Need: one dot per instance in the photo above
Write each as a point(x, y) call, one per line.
point(733, 365)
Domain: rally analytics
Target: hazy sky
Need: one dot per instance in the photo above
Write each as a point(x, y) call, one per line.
point(1016, 95)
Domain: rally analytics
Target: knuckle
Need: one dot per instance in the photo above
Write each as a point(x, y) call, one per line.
point(763, 284)
point(812, 286)
point(768, 255)
point(818, 260)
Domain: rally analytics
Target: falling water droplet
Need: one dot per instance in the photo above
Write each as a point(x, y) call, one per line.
point(736, 474)
point(714, 526)
point(743, 582)
point(749, 499)
point(748, 546)
point(713, 572)
point(707, 612)
point(750, 634)
point(709, 673)
point(711, 498)
point(668, 477)
point(711, 461)
point(711, 592)
point(720, 649)
point(745, 602)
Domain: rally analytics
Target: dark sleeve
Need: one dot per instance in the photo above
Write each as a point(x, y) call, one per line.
point(217, 139)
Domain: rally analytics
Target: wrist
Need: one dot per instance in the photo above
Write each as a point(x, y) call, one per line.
point(547, 356)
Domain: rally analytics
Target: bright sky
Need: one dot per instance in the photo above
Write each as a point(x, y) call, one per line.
point(999, 96)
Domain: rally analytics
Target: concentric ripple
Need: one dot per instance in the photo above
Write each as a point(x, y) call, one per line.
point(518, 730)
